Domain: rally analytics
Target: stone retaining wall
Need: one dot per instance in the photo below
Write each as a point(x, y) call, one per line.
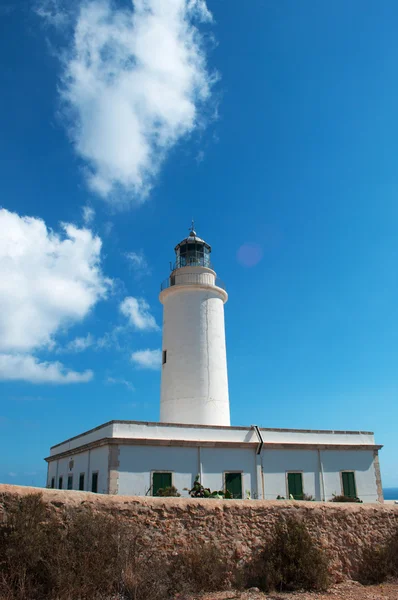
point(238, 527)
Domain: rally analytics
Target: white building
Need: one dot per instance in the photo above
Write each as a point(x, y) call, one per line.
point(194, 436)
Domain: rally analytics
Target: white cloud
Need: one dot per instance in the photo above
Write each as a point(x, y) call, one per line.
point(134, 83)
point(118, 381)
point(147, 359)
point(80, 344)
point(48, 281)
point(137, 312)
point(24, 367)
point(139, 263)
point(88, 214)
point(52, 12)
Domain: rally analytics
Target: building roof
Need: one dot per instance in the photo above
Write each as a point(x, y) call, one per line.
point(144, 432)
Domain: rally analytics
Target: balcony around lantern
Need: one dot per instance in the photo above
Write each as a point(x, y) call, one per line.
point(192, 279)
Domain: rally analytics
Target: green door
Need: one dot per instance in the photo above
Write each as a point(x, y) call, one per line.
point(295, 485)
point(349, 488)
point(233, 484)
point(160, 481)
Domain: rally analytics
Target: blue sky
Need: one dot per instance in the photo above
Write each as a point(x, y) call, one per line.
point(274, 125)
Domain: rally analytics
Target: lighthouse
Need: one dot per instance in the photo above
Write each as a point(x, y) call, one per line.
point(194, 380)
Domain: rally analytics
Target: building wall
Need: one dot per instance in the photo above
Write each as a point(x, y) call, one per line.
point(86, 462)
point(217, 461)
point(276, 464)
point(136, 464)
point(361, 462)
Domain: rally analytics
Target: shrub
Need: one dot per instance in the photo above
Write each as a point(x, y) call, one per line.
point(379, 563)
point(168, 491)
point(25, 540)
point(79, 554)
point(202, 568)
point(343, 498)
point(308, 498)
point(76, 554)
point(291, 561)
point(198, 491)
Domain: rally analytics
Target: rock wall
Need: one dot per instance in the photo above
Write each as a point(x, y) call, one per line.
point(238, 527)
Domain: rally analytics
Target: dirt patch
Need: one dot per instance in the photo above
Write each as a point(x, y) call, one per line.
point(349, 590)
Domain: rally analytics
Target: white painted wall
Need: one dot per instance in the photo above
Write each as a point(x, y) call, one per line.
point(217, 461)
point(276, 463)
point(361, 462)
point(137, 462)
point(194, 386)
point(85, 462)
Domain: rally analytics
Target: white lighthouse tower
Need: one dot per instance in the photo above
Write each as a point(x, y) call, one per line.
point(194, 387)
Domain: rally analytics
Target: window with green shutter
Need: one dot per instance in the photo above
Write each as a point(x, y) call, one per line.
point(233, 484)
point(160, 481)
point(70, 482)
point(94, 482)
point(349, 487)
point(295, 485)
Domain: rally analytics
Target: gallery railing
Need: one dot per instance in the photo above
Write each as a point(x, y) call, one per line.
point(192, 279)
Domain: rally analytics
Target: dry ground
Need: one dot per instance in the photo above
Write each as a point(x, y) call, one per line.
point(344, 591)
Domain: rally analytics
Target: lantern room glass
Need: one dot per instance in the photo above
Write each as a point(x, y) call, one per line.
point(193, 254)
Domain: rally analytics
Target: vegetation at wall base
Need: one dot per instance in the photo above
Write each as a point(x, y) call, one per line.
point(290, 561)
point(168, 492)
point(79, 554)
point(198, 491)
point(342, 498)
point(380, 562)
point(60, 552)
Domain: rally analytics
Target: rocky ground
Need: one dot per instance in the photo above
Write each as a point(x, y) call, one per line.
point(349, 590)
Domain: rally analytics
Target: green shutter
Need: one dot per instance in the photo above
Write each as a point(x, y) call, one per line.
point(160, 481)
point(233, 484)
point(94, 483)
point(349, 488)
point(295, 485)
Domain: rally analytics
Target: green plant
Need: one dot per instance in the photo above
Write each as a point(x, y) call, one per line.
point(291, 561)
point(168, 491)
point(342, 498)
point(198, 491)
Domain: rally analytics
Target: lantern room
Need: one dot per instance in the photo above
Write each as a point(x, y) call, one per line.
point(192, 252)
